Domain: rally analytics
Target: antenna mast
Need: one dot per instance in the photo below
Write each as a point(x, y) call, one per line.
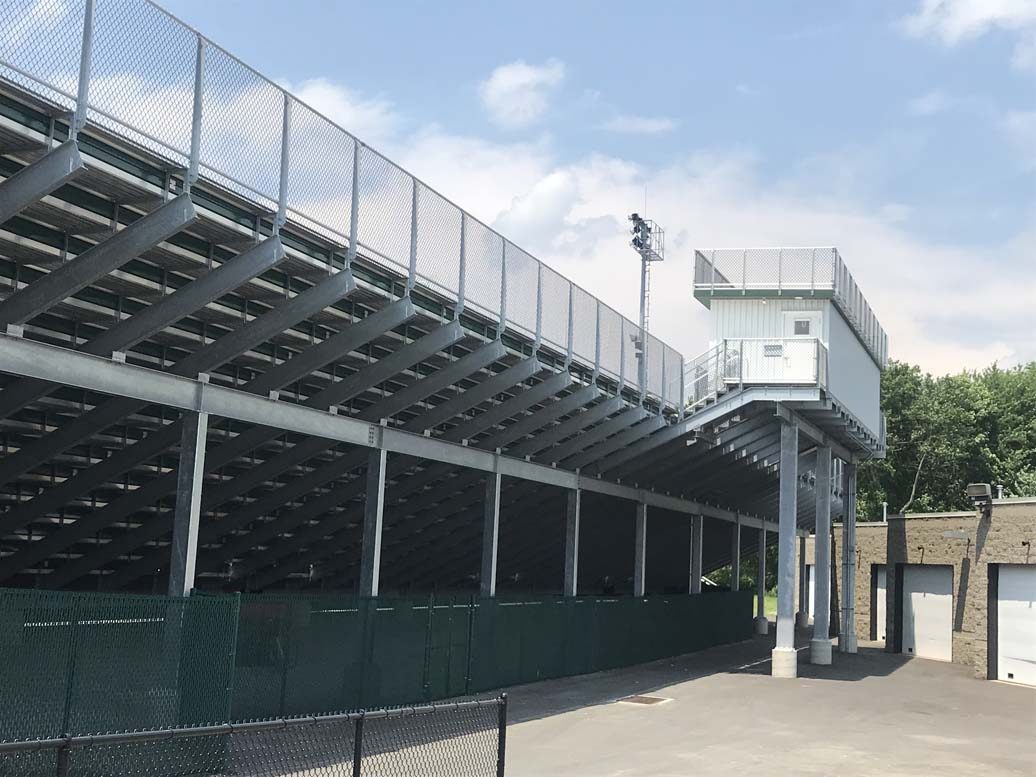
point(648, 241)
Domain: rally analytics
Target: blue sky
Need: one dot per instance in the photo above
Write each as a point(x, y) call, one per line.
point(904, 133)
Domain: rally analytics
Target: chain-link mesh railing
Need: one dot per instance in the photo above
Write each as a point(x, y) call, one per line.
point(154, 81)
point(792, 271)
point(466, 739)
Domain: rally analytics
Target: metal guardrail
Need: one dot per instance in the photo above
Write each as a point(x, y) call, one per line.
point(798, 271)
point(736, 362)
point(466, 737)
point(130, 69)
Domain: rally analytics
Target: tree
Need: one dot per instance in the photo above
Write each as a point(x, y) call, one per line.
point(943, 433)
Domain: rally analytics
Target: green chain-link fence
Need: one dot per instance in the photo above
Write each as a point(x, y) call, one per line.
point(76, 663)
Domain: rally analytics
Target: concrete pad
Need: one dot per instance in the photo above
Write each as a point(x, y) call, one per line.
point(872, 713)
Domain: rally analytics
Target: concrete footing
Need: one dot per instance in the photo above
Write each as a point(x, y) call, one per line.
point(801, 619)
point(784, 662)
point(850, 643)
point(762, 625)
point(820, 652)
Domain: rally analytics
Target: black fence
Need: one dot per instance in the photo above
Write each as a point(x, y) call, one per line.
point(464, 738)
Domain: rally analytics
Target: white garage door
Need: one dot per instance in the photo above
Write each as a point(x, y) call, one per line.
point(928, 611)
point(880, 597)
point(1016, 624)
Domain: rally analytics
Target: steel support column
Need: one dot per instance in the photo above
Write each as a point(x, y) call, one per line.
point(820, 645)
point(573, 501)
point(847, 631)
point(784, 659)
point(762, 625)
point(490, 534)
point(640, 550)
point(373, 519)
point(187, 515)
point(694, 585)
point(735, 554)
point(802, 616)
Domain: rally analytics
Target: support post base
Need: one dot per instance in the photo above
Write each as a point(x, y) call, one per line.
point(784, 662)
point(762, 625)
point(820, 652)
point(849, 643)
point(801, 619)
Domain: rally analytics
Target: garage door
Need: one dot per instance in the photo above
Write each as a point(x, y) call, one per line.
point(1016, 624)
point(928, 611)
point(879, 609)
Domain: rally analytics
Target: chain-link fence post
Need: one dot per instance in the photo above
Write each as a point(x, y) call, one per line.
point(64, 760)
point(358, 746)
point(501, 742)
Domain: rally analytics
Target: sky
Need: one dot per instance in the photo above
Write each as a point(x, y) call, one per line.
point(904, 133)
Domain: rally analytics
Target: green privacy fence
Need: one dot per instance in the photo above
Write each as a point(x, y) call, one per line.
point(80, 662)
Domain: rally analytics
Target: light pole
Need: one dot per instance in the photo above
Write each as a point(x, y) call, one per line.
point(648, 241)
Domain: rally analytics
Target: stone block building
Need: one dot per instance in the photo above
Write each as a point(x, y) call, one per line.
point(958, 586)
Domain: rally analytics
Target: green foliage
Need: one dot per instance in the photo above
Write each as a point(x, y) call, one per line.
point(950, 431)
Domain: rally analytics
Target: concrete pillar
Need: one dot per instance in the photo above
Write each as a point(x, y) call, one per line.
point(490, 534)
point(802, 616)
point(847, 631)
point(640, 550)
point(820, 645)
point(735, 554)
point(572, 505)
point(762, 625)
point(784, 659)
point(694, 586)
point(373, 517)
point(187, 514)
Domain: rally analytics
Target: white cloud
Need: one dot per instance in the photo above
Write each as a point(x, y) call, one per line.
point(926, 295)
point(373, 120)
point(516, 94)
point(954, 21)
point(930, 103)
point(639, 125)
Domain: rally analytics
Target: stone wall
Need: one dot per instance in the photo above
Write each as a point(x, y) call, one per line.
point(997, 539)
point(922, 539)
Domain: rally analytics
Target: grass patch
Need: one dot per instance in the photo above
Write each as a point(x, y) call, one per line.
point(771, 605)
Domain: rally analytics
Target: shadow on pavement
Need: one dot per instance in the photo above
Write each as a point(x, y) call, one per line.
point(553, 697)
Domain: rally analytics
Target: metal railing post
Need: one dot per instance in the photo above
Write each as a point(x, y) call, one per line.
point(597, 341)
point(539, 305)
point(503, 286)
point(463, 265)
point(358, 746)
point(199, 88)
point(780, 268)
point(83, 91)
point(744, 272)
point(282, 194)
point(571, 322)
point(412, 279)
point(354, 209)
point(501, 741)
point(813, 273)
point(713, 270)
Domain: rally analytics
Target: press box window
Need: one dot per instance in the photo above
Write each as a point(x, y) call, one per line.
point(801, 326)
